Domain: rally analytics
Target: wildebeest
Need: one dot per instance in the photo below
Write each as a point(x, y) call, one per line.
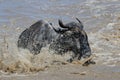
point(68, 37)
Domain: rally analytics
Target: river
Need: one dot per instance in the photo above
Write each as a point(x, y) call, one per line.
point(101, 20)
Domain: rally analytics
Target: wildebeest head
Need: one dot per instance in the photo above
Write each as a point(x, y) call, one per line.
point(72, 37)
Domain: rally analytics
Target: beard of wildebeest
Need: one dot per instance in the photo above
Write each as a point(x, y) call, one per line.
point(36, 36)
point(73, 38)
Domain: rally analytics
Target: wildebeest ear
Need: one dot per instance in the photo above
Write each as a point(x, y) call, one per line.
point(79, 22)
point(61, 24)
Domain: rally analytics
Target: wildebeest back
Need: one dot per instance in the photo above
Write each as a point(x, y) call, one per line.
point(36, 36)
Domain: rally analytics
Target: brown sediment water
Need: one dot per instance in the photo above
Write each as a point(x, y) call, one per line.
point(101, 19)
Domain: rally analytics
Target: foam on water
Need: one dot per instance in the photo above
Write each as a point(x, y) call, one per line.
point(106, 43)
point(14, 60)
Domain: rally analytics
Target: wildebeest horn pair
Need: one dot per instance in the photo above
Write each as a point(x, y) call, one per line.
point(60, 30)
point(63, 28)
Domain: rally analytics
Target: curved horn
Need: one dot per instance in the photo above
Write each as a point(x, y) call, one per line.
point(60, 31)
point(78, 20)
point(61, 24)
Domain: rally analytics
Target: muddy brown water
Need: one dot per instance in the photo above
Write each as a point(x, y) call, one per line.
point(101, 19)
